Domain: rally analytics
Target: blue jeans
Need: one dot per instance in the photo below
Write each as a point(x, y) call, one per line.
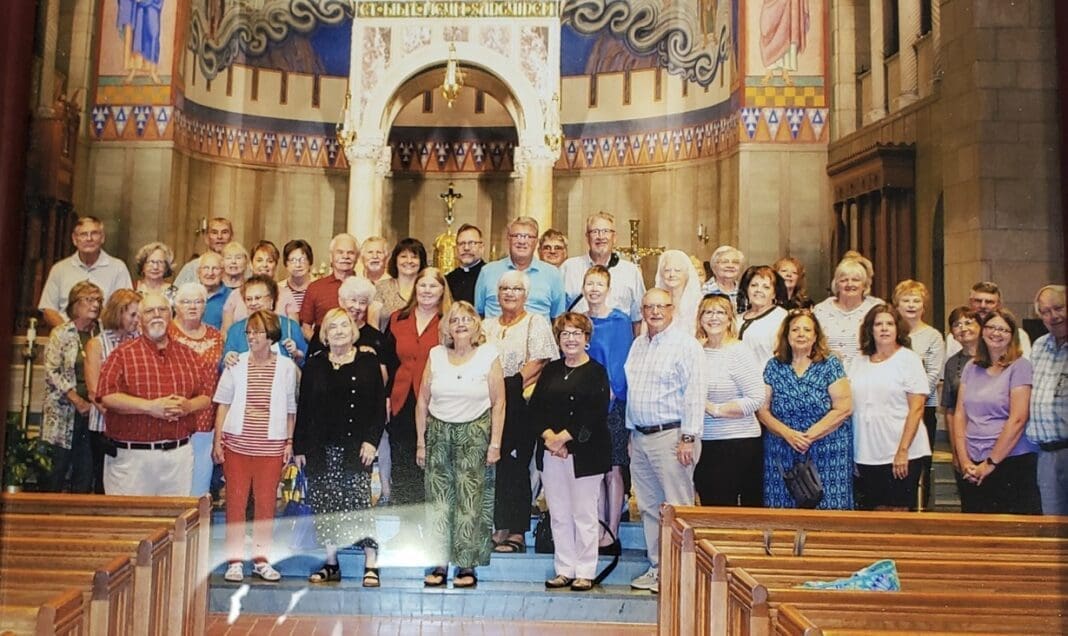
point(203, 464)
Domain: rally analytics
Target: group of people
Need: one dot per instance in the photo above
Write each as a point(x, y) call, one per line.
point(474, 389)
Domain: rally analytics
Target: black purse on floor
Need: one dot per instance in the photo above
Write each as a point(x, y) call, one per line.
point(804, 483)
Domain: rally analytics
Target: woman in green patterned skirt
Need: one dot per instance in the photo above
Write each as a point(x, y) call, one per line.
point(459, 418)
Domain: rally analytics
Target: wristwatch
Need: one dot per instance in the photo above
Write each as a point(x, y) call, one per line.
point(687, 438)
point(991, 462)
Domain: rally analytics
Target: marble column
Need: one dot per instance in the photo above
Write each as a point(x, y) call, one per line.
point(368, 167)
point(534, 167)
point(46, 92)
point(908, 28)
point(877, 107)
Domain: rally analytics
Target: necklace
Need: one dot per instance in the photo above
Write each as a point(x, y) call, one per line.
point(506, 326)
point(339, 361)
point(570, 370)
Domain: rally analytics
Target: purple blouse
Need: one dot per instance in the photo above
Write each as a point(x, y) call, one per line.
point(986, 407)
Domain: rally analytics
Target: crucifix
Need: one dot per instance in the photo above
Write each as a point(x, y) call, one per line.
point(445, 243)
point(634, 251)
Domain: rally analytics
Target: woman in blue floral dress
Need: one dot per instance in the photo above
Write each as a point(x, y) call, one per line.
point(807, 411)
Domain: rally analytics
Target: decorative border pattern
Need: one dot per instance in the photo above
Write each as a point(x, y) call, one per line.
point(785, 125)
point(786, 96)
point(258, 147)
point(139, 122)
point(714, 139)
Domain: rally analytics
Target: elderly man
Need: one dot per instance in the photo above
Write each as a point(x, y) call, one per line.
point(209, 274)
point(469, 254)
point(984, 298)
point(546, 295)
point(665, 413)
point(220, 232)
point(1048, 426)
point(552, 247)
point(373, 256)
point(152, 388)
point(321, 296)
point(627, 288)
point(90, 262)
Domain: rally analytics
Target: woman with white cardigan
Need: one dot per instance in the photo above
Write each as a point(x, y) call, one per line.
point(257, 406)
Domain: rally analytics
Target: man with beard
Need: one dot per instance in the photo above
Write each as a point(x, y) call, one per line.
point(469, 254)
point(321, 296)
point(152, 387)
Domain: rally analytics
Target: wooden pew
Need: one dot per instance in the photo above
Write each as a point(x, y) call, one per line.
point(107, 590)
point(187, 571)
point(61, 615)
point(752, 605)
point(793, 620)
point(682, 526)
point(196, 579)
point(152, 556)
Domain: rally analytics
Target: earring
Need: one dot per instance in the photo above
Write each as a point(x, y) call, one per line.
point(587, 347)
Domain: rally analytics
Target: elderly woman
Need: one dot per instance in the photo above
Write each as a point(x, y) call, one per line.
point(259, 293)
point(391, 294)
point(792, 271)
point(889, 389)
point(264, 263)
point(569, 410)
point(155, 264)
point(298, 258)
point(256, 413)
point(997, 460)
point(964, 327)
point(758, 325)
point(613, 335)
point(676, 274)
point(731, 465)
point(910, 298)
point(726, 263)
point(807, 413)
point(841, 314)
point(459, 421)
point(188, 328)
point(65, 421)
point(525, 342)
point(119, 323)
point(341, 415)
point(413, 332)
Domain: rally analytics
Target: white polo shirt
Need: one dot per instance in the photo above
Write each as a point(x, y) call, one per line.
point(108, 273)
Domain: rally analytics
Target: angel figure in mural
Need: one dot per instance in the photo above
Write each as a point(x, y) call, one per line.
point(139, 28)
point(784, 28)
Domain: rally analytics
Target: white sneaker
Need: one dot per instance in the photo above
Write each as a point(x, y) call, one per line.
point(648, 581)
point(235, 573)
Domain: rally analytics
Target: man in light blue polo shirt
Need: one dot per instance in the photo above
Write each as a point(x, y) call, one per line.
point(546, 296)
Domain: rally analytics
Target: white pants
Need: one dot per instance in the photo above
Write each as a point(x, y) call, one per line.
point(573, 510)
point(659, 478)
point(153, 473)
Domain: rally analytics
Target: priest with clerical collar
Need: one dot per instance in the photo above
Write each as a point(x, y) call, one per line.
point(469, 253)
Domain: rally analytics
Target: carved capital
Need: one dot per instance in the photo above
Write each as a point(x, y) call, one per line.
point(526, 156)
point(363, 150)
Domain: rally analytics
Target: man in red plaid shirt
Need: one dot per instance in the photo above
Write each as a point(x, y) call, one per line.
point(151, 388)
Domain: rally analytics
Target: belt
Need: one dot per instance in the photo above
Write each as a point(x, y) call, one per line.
point(170, 445)
point(1050, 447)
point(649, 430)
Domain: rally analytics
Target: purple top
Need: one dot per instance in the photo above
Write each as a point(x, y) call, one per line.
point(986, 407)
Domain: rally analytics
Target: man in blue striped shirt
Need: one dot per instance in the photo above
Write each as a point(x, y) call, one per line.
point(1049, 401)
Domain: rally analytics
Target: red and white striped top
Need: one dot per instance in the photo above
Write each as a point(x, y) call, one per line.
point(253, 438)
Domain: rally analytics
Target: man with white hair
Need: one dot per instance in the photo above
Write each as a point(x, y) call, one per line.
point(152, 388)
point(1048, 423)
point(627, 288)
point(321, 296)
point(373, 256)
point(546, 294)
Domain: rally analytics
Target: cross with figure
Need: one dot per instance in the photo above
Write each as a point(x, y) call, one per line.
point(450, 198)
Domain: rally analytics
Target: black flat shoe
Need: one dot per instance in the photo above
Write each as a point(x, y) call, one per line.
point(461, 575)
point(370, 577)
point(326, 574)
point(436, 577)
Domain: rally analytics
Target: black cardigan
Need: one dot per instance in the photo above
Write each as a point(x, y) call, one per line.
point(577, 402)
point(343, 407)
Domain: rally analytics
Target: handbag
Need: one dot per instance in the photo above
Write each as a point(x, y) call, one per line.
point(803, 482)
point(544, 544)
point(300, 518)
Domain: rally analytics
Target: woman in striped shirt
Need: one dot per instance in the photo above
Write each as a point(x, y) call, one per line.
point(257, 406)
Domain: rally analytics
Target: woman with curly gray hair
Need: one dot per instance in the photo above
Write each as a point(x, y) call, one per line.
point(155, 264)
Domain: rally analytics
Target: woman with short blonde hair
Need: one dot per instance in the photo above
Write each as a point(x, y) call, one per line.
point(842, 313)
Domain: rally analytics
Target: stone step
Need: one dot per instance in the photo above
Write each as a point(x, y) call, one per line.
point(489, 600)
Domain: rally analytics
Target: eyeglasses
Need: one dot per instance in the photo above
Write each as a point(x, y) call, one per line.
point(522, 236)
point(188, 302)
point(601, 231)
point(255, 299)
point(714, 313)
point(155, 262)
point(657, 307)
point(461, 320)
point(997, 329)
point(211, 268)
point(728, 261)
point(514, 290)
point(466, 244)
point(571, 334)
point(92, 300)
point(297, 260)
point(91, 234)
point(962, 323)
point(553, 248)
point(255, 332)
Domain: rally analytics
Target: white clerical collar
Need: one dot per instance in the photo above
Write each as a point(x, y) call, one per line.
point(468, 268)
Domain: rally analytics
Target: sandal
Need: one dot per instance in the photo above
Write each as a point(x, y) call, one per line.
point(581, 585)
point(510, 546)
point(326, 574)
point(235, 573)
point(436, 577)
point(370, 577)
point(557, 582)
point(465, 573)
point(264, 570)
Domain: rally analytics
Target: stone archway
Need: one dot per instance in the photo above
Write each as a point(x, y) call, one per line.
point(392, 43)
